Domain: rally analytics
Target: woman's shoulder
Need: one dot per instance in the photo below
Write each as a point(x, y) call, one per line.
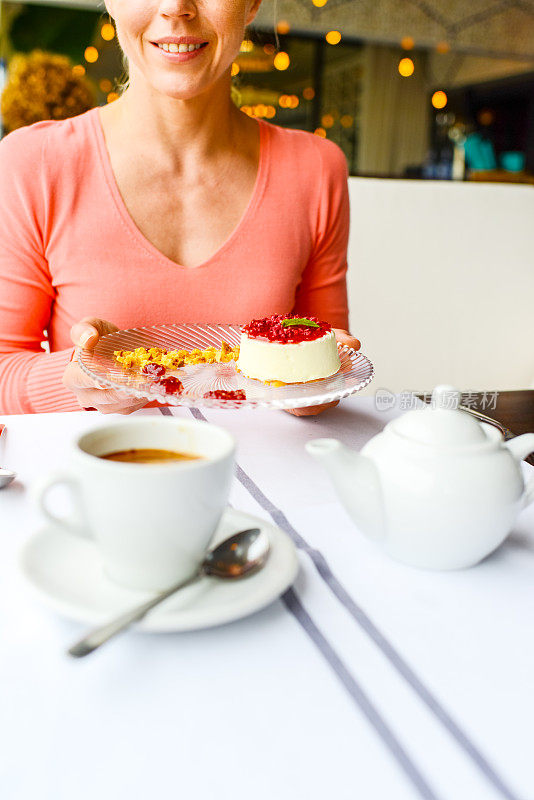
point(298, 146)
point(25, 148)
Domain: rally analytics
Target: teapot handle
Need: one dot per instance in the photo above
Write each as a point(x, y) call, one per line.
point(520, 447)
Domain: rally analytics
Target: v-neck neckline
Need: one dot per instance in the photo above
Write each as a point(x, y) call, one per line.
point(128, 220)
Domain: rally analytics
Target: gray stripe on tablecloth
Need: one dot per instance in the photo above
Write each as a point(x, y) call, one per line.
point(372, 715)
point(378, 638)
point(166, 411)
point(294, 606)
point(372, 631)
point(198, 414)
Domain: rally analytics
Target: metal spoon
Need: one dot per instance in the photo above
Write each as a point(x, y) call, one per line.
point(6, 475)
point(239, 555)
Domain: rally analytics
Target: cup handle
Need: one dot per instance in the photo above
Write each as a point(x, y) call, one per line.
point(73, 524)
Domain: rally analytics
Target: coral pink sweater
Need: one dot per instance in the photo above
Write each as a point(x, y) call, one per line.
point(70, 249)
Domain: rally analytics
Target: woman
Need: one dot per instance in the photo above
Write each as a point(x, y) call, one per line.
point(167, 205)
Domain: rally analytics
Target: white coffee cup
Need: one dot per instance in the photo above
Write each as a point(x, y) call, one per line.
point(152, 522)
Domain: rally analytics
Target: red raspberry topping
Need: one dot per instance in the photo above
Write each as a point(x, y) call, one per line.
point(171, 385)
point(271, 328)
point(154, 370)
point(221, 394)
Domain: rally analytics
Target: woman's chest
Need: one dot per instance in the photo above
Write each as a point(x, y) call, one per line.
point(187, 220)
point(119, 279)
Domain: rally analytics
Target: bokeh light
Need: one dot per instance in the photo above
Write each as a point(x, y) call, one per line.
point(406, 67)
point(486, 116)
point(260, 110)
point(439, 99)
point(319, 3)
point(320, 132)
point(105, 85)
point(327, 120)
point(78, 70)
point(281, 60)
point(235, 69)
point(107, 31)
point(407, 43)
point(91, 55)
point(308, 93)
point(283, 27)
point(346, 121)
point(333, 37)
point(112, 96)
point(288, 101)
point(443, 47)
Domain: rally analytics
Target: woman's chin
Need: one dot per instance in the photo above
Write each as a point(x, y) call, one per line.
point(178, 90)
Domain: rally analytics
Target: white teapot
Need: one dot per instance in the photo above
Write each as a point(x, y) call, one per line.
point(437, 488)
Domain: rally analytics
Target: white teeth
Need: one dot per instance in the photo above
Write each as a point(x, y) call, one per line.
point(172, 47)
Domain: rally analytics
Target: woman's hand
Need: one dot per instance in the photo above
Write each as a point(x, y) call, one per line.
point(343, 337)
point(85, 335)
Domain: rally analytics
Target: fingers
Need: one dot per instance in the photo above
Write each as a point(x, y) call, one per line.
point(108, 402)
point(92, 395)
point(121, 408)
point(130, 410)
point(103, 396)
point(88, 331)
point(344, 337)
point(75, 379)
point(89, 394)
point(311, 411)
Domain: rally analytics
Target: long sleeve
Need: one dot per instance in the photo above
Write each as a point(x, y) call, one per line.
point(323, 290)
point(30, 378)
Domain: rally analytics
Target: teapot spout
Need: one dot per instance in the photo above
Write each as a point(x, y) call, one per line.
point(357, 483)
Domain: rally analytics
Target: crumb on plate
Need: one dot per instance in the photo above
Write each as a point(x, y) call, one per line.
point(174, 359)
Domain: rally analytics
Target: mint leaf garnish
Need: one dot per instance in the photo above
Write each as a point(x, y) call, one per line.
point(308, 323)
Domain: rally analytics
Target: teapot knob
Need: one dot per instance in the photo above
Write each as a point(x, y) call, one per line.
point(446, 397)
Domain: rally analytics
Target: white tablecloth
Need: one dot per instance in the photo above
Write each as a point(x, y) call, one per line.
point(367, 680)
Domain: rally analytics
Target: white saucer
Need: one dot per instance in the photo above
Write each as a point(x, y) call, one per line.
point(67, 573)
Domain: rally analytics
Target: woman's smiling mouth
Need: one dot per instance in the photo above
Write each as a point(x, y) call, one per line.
point(172, 47)
point(182, 47)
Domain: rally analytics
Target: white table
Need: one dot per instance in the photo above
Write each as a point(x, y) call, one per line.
point(368, 680)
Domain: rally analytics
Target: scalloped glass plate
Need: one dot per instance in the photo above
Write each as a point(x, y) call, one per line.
point(355, 373)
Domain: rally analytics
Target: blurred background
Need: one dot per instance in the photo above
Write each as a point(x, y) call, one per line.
point(428, 89)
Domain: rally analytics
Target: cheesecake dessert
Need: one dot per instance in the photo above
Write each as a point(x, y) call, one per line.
point(288, 348)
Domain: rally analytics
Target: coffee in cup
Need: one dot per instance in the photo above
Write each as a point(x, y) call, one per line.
point(147, 455)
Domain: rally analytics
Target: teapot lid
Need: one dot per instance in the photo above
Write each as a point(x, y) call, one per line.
point(441, 423)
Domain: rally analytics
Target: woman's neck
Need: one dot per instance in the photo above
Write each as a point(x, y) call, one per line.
point(180, 130)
